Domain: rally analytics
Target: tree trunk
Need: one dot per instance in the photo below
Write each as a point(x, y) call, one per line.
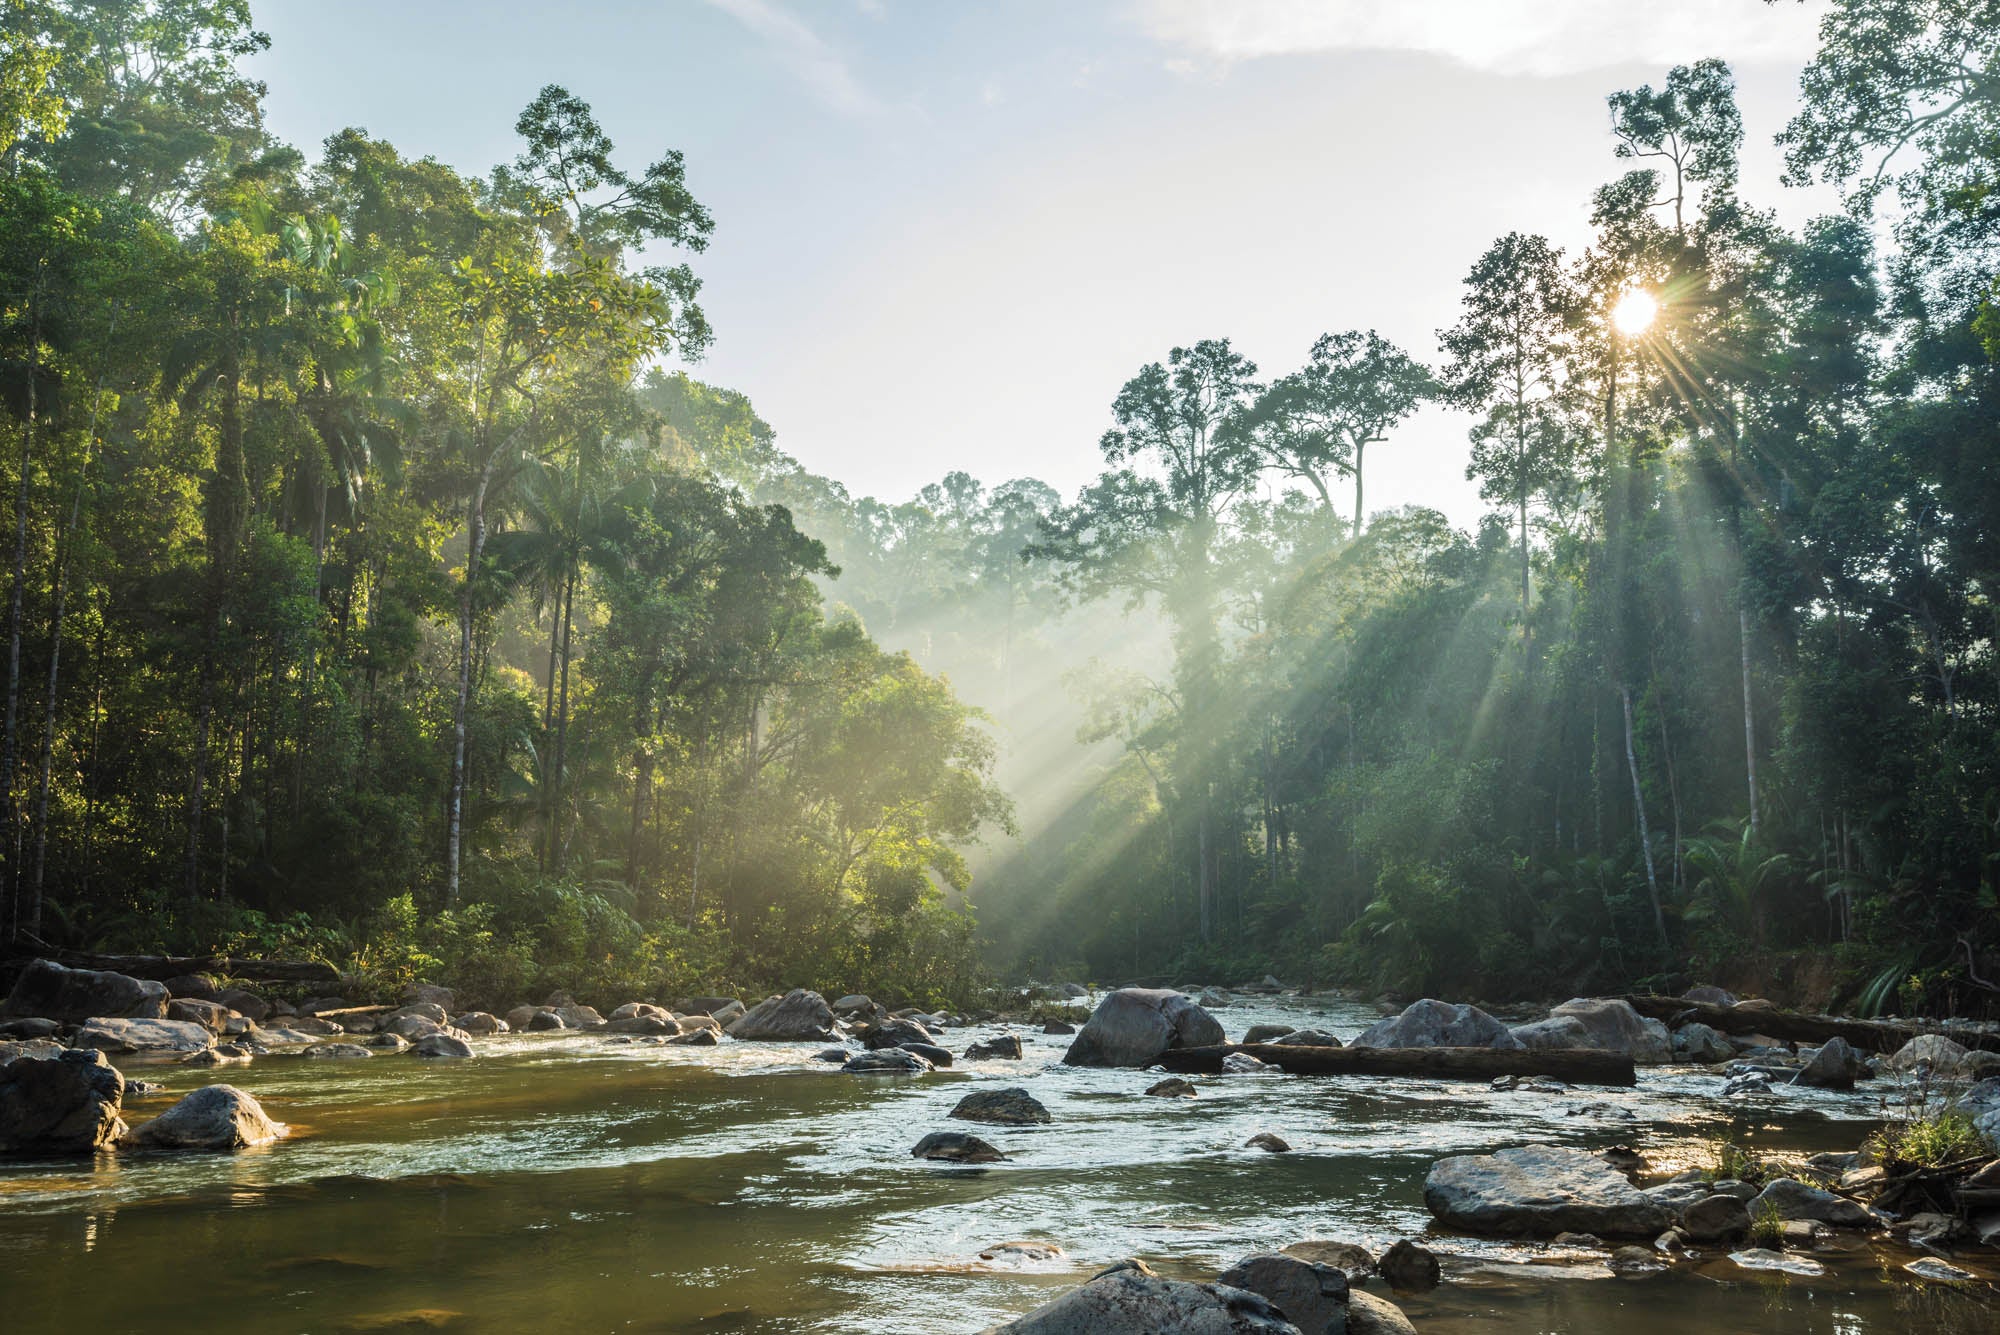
point(562, 731)
point(11, 743)
point(1749, 718)
point(455, 811)
point(1639, 807)
point(1359, 446)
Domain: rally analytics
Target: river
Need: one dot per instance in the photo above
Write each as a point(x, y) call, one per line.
point(561, 1183)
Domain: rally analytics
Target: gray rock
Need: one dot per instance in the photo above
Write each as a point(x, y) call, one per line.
point(851, 1003)
point(430, 994)
point(337, 1051)
point(313, 1024)
point(956, 1147)
point(579, 1017)
point(1242, 1063)
point(1410, 1267)
point(641, 1024)
point(1306, 1038)
point(1173, 1087)
point(930, 1052)
point(210, 1015)
point(838, 1056)
point(1134, 1025)
point(1438, 1024)
point(30, 1027)
point(894, 1033)
point(1007, 1047)
point(34, 1049)
point(1269, 1142)
point(1312, 1297)
point(1369, 1315)
point(440, 1045)
point(1699, 1043)
point(247, 1004)
point(1266, 1033)
point(480, 1022)
point(1350, 1258)
point(66, 1104)
point(1750, 1082)
point(700, 1038)
point(1790, 1198)
point(1834, 1066)
point(138, 1035)
point(47, 990)
point(1003, 1107)
point(636, 1009)
point(1716, 1217)
point(1713, 996)
point(1938, 1054)
point(233, 1056)
point(412, 1027)
point(214, 1117)
point(386, 1043)
point(521, 1016)
point(1073, 990)
point(1540, 1191)
point(1058, 1027)
point(887, 1061)
point(1129, 1299)
point(798, 1016)
point(1605, 1024)
point(543, 1022)
point(424, 1010)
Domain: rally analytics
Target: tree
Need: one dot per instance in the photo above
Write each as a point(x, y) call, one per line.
point(1691, 125)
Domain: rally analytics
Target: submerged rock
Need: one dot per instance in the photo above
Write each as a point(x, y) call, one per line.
point(798, 1016)
point(1242, 1063)
point(1540, 1191)
point(1006, 1047)
point(1134, 1025)
point(1311, 1296)
point(1002, 1107)
point(1410, 1266)
point(215, 1117)
point(1129, 1299)
point(956, 1147)
point(700, 1038)
point(1173, 1087)
point(1762, 1258)
point(48, 990)
point(66, 1104)
point(341, 1051)
point(1438, 1024)
point(1269, 1142)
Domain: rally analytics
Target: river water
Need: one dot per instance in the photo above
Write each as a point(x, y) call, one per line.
point(562, 1183)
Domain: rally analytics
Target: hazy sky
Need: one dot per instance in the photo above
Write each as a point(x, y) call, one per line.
point(947, 232)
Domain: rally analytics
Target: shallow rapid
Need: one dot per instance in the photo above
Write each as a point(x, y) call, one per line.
point(566, 1183)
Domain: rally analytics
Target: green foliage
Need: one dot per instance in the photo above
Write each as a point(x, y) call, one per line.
point(1767, 1226)
point(1733, 1163)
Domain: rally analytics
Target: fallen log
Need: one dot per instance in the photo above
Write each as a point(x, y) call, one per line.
point(1795, 1027)
point(1579, 1066)
point(162, 967)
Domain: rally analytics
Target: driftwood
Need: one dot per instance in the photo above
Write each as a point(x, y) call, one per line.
point(1581, 1066)
point(163, 967)
point(1793, 1027)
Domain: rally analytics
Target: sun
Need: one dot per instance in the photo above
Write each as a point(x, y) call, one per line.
point(1634, 313)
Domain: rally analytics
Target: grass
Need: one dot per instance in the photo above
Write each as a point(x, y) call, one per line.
point(1734, 1163)
point(1929, 1138)
point(1767, 1226)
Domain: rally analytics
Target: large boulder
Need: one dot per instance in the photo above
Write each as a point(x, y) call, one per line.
point(956, 1147)
point(798, 1016)
point(35, 1049)
point(1934, 1052)
point(1835, 1066)
point(430, 994)
point(1306, 1038)
point(210, 1015)
point(1699, 1043)
point(886, 1061)
point(1608, 1024)
point(1004, 1107)
point(441, 1045)
point(136, 1035)
point(67, 1104)
point(724, 1009)
point(1369, 1315)
point(1312, 1297)
point(338, 1051)
point(214, 1117)
point(46, 988)
point(480, 1022)
point(894, 1033)
point(247, 1004)
point(1267, 1033)
point(1789, 1198)
point(1129, 1299)
point(1438, 1024)
point(1540, 1191)
point(1134, 1025)
point(1007, 1047)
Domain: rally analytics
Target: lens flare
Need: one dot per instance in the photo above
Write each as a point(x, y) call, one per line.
point(1634, 313)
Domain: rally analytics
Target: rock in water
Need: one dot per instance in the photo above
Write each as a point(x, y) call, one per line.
point(1134, 1025)
point(1608, 1025)
point(1699, 1043)
point(1369, 1315)
point(894, 1033)
point(1715, 1217)
point(1306, 1038)
point(1002, 1107)
point(1790, 1199)
point(215, 1117)
point(799, 1016)
point(440, 1045)
point(1411, 1267)
point(1173, 1087)
point(1540, 1191)
point(47, 989)
point(341, 1051)
point(1266, 1033)
point(930, 1052)
point(887, 1061)
point(1438, 1024)
point(1006, 1047)
point(1313, 1297)
point(67, 1104)
point(138, 1035)
point(1129, 1299)
point(1942, 1056)
point(480, 1022)
point(1268, 1142)
point(1058, 1027)
point(956, 1147)
point(1834, 1066)
point(1242, 1063)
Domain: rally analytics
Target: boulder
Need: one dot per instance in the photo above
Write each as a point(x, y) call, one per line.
point(851, 1003)
point(47, 990)
point(480, 1022)
point(1004, 1107)
point(1173, 1087)
point(578, 1017)
point(1699, 1043)
point(1540, 1191)
point(1266, 1033)
point(1438, 1024)
point(314, 1005)
point(1213, 1000)
point(429, 994)
point(894, 1033)
point(210, 1015)
point(313, 1024)
point(1350, 1258)
point(542, 1022)
point(1306, 1038)
point(134, 1035)
point(724, 1009)
point(1269, 1142)
point(838, 1056)
point(247, 1004)
point(34, 1049)
point(1410, 1267)
point(1312, 1297)
point(1788, 1198)
point(1714, 1218)
point(699, 1038)
point(1934, 1051)
point(1369, 1315)
point(412, 1027)
point(1007, 1047)
point(635, 1009)
point(1129, 1299)
point(1746, 1082)
point(440, 1045)
point(1711, 996)
point(66, 1104)
point(1134, 1025)
point(1834, 1066)
point(214, 1117)
point(425, 1010)
point(520, 1016)
point(200, 986)
point(386, 1043)
point(798, 1016)
point(641, 1024)
point(1242, 1063)
point(1072, 990)
point(886, 1061)
point(1058, 1027)
point(1606, 1024)
point(956, 1147)
point(930, 1052)
point(690, 1023)
point(30, 1027)
point(338, 1051)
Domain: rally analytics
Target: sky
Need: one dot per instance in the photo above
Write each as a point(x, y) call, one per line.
point(946, 233)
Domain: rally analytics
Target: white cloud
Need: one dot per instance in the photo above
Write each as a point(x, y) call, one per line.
point(808, 55)
point(1534, 37)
